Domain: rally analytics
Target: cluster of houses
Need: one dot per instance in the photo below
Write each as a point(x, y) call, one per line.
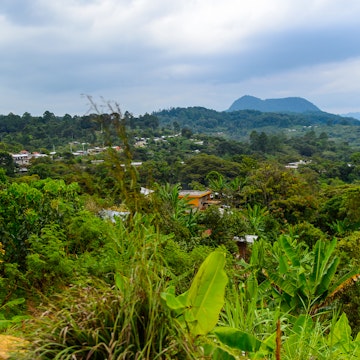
point(296, 164)
point(199, 200)
point(22, 159)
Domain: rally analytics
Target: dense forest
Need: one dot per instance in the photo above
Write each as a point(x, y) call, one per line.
point(268, 270)
point(238, 125)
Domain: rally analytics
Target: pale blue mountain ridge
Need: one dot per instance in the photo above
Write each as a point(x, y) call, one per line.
point(289, 104)
point(355, 115)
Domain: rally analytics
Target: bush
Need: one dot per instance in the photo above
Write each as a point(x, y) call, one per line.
point(123, 320)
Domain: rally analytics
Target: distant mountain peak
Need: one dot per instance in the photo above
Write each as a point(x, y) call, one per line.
point(289, 104)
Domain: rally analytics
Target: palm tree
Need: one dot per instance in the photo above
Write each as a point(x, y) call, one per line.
point(216, 182)
point(177, 208)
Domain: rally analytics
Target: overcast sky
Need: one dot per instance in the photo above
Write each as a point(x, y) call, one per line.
point(148, 55)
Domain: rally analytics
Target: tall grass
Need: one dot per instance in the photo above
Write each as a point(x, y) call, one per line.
point(246, 308)
point(125, 319)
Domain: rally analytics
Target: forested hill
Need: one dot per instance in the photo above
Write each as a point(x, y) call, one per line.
point(239, 124)
point(49, 131)
point(289, 104)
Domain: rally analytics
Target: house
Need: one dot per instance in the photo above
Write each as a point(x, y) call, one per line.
point(22, 160)
point(242, 243)
point(295, 165)
point(198, 199)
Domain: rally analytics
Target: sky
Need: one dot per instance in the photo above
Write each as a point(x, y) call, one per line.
point(148, 55)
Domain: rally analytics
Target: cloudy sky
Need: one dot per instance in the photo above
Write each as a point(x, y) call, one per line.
point(148, 55)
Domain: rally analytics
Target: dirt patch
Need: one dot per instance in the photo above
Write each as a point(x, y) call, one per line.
point(10, 344)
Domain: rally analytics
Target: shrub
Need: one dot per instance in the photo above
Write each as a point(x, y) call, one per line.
point(123, 320)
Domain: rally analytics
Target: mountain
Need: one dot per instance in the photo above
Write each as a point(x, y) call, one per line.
point(289, 104)
point(355, 115)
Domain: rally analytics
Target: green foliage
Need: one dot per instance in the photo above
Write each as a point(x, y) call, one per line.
point(47, 262)
point(125, 322)
point(340, 341)
point(339, 211)
point(347, 247)
point(237, 339)
point(256, 218)
point(307, 233)
point(349, 299)
point(7, 163)
point(181, 263)
point(26, 208)
point(200, 306)
point(201, 165)
point(174, 214)
point(114, 277)
point(86, 233)
point(306, 280)
point(9, 313)
point(220, 225)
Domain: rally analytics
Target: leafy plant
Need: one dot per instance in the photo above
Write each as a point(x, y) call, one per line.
point(200, 306)
point(340, 341)
point(7, 320)
point(125, 319)
point(303, 280)
point(47, 262)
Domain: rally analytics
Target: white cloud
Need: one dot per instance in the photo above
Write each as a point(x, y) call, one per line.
point(195, 27)
point(178, 53)
point(338, 81)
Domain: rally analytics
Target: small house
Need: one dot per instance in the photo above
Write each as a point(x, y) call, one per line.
point(198, 199)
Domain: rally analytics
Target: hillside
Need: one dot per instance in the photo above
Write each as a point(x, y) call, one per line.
point(50, 131)
point(355, 115)
point(238, 125)
point(289, 104)
point(103, 257)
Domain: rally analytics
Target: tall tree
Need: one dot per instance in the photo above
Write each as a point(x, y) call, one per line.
point(7, 163)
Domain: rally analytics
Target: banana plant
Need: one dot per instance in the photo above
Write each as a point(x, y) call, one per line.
point(198, 311)
point(216, 181)
point(341, 343)
point(305, 280)
point(199, 307)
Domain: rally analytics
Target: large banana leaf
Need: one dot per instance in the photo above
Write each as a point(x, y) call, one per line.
point(322, 254)
point(205, 298)
point(202, 303)
point(289, 251)
point(285, 284)
point(237, 339)
point(326, 277)
point(340, 335)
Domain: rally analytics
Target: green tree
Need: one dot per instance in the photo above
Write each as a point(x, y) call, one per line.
point(26, 208)
point(176, 127)
point(7, 163)
point(197, 167)
point(175, 214)
point(216, 182)
point(186, 132)
point(48, 264)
